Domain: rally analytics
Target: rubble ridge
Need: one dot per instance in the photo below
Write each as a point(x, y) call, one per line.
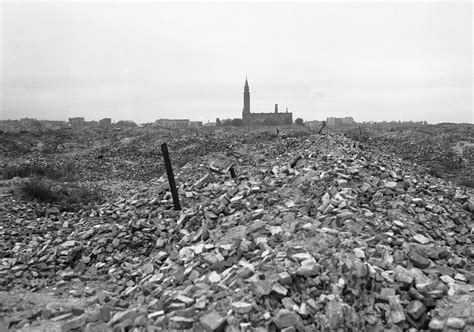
point(314, 234)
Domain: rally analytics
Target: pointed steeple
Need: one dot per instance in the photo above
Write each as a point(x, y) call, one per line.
point(246, 109)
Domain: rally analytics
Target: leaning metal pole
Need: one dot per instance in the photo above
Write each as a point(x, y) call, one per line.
point(169, 172)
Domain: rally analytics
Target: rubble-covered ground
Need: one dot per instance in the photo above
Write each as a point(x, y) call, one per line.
point(444, 150)
point(317, 232)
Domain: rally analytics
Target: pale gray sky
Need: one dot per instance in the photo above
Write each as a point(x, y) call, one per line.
point(145, 61)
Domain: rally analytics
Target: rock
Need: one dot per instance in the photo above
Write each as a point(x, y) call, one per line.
point(286, 318)
point(284, 278)
point(390, 185)
point(460, 277)
point(359, 253)
point(279, 289)
point(184, 299)
point(309, 269)
point(213, 321)
point(397, 314)
point(419, 261)
point(242, 307)
point(455, 323)
point(415, 309)
point(421, 239)
point(181, 323)
point(148, 268)
point(261, 288)
point(214, 277)
point(124, 315)
point(68, 244)
point(436, 324)
point(96, 327)
point(74, 323)
point(334, 314)
point(385, 293)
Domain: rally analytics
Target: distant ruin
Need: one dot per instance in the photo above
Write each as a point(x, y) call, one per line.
point(334, 122)
point(270, 119)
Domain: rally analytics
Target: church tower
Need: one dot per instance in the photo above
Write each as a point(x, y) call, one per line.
point(246, 109)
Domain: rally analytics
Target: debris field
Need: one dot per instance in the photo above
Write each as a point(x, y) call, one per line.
point(315, 233)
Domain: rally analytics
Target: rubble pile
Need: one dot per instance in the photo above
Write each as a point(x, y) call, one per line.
point(313, 234)
point(133, 155)
point(445, 150)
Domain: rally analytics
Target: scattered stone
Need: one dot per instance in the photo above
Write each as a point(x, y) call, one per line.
point(242, 307)
point(74, 323)
point(421, 239)
point(309, 269)
point(436, 324)
point(415, 309)
point(181, 323)
point(419, 261)
point(455, 323)
point(213, 321)
point(286, 318)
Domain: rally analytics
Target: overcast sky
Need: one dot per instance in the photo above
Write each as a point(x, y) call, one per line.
point(145, 61)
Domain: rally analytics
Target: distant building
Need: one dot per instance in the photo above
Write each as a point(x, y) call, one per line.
point(262, 118)
point(173, 123)
point(126, 124)
point(30, 125)
point(334, 122)
point(91, 123)
point(195, 124)
point(10, 126)
point(314, 124)
point(52, 125)
point(105, 123)
point(77, 122)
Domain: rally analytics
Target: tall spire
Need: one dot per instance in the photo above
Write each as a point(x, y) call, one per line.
point(246, 108)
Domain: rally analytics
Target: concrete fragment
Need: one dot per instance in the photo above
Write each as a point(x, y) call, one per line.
point(415, 309)
point(419, 261)
point(242, 307)
point(421, 239)
point(455, 323)
point(309, 269)
point(213, 321)
point(286, 318)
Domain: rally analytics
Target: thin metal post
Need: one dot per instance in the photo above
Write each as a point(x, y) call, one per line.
point(169, 172)
point(232, 173)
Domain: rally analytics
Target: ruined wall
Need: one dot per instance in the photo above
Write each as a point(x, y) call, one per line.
point(259, 118)
point(332, 121)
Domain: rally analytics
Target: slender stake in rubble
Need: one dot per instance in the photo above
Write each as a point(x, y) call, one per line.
point(232, 172)
point(169, 172)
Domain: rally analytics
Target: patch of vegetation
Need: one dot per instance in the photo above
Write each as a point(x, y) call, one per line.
point(66, 197)
point(467, 182)
point(40, 191)
point(435, 171)
point(299, 121)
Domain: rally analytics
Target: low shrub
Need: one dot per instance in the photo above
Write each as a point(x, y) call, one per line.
point(435, 171)
point(40, 191)
point(66, 197)
point(467, 182)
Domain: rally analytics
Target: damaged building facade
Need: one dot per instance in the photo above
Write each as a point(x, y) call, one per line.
point(334, 122)
point(274, 118)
